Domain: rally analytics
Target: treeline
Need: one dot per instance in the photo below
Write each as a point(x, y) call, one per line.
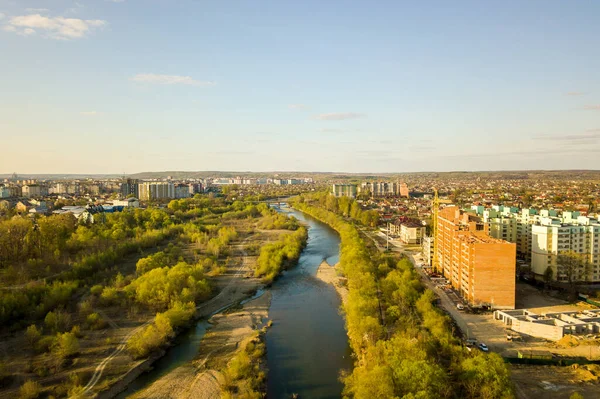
point(403, 344)
point(278, 255)
point(158, 333)
point(278, 221)
point(343, 206)
point(38, 247)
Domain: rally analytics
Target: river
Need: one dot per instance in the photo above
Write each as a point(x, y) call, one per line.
point(307, 345)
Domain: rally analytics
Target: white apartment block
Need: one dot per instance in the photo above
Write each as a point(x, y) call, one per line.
point(156, 190)
point(412, 233)
point(552, 237)
point(542, 236)
point(428, 250)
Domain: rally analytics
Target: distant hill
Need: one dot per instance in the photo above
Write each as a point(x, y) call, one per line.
point(505, 175)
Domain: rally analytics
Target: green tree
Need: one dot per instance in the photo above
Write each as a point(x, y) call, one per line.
point(66, 345)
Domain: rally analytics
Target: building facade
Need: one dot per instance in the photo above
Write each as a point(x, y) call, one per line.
point(412, 233)
point(552, 237)
point(156, 190)
point(130, 187)
point(344, 190)
point(32, 190)
point(481, 268)
point(428, 250)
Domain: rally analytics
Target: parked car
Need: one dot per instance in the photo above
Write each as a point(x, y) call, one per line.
point(483, 347)
point(460, 306)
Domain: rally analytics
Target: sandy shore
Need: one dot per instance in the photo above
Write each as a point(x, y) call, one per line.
point(202, 379)
point(329, 275)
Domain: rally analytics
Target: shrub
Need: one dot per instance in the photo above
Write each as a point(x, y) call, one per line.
point(95, 322)
point(109, 296)
point(66, 345)
point(32, 335)
point(146, 341)
point(46, 343)
point(30, 390)
point(96, 290)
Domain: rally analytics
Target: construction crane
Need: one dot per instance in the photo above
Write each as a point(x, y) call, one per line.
point(435, 206)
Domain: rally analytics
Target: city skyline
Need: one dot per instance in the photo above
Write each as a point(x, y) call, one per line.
point(125, 86)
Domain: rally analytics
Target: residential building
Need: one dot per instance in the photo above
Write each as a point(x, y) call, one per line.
point(32, 190)
point(427, 245)
point(195, 188)
point(404, 192)
point(130, 187)
point(481, 268)
point(4, 192)
point(552, 236)
point(182, 191)
point(380, 188)
point(344, 190)
point(412, 232)
point(156, 190)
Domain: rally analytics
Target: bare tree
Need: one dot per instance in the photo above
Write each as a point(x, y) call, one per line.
point(572, 265)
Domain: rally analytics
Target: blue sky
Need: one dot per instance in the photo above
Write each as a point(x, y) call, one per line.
point(101, 86)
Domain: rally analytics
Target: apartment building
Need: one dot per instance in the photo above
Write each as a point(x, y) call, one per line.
point(32, 190)
point(542, 236)
point(427, 246)
point(404, 192)
point(130, 187)
point(480, 267)
point(554, 235)
point(344, 190)
point(412, 233)
point(182, 191)
point(156, 190)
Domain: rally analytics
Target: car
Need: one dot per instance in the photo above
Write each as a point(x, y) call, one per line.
point(460, 306)
point(483, 347)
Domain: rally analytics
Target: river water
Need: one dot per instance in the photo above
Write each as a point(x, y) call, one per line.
point(307, 345)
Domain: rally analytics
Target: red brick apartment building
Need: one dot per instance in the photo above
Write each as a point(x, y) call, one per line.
point(479, 267)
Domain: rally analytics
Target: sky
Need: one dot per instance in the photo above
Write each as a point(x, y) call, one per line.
point(126, 86)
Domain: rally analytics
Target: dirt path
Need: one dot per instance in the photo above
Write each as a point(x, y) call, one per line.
point(233, 288)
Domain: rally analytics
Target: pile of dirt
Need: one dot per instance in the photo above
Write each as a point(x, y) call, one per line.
point(568, 341)
point(586, 373)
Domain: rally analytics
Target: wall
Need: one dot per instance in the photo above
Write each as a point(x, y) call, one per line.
point(551, 332)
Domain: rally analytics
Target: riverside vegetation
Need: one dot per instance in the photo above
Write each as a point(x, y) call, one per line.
point(60, 278)
point(403, 345)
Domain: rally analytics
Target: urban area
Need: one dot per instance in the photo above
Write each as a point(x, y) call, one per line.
point(512, 261)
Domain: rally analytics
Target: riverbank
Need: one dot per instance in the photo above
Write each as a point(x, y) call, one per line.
point(329, 274)
point(203, 378)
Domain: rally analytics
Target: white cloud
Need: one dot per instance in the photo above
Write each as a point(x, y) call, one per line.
point(2, 15)
point(575, 93)
point(89, 113)
point(169, 80)
point(592, 107)
point(339, 116)
point(116, 1)
point(54, 27)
